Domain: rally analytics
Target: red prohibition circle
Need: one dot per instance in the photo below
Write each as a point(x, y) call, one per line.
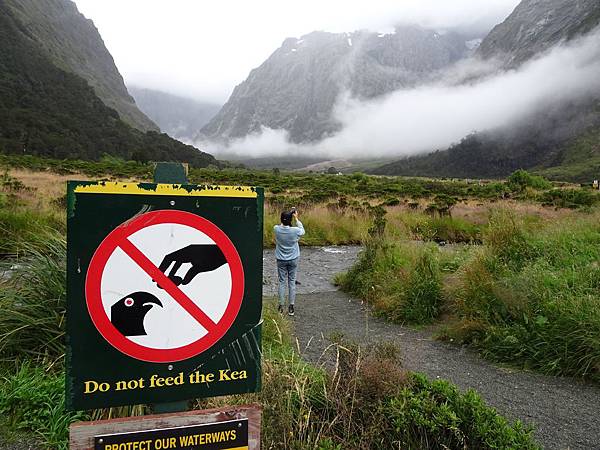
point(119, 236)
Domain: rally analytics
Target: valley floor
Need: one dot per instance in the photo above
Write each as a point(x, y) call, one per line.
point(563, 410)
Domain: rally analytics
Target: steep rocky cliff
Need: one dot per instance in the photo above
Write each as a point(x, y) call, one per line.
point(537, 25)
point(47, 111)
point(296, 88)
point(73, 43)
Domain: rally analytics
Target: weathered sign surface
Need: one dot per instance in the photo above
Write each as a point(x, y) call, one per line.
point(234, 428)
point(164, 292)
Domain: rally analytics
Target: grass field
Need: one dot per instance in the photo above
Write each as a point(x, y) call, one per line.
point(335, 209)
point(507, 266)
point(304, 406)
point(528, 295)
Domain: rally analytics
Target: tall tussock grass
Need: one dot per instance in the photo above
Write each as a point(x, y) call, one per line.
point(20, 230)
point(402, 280)
point(534, 295)
point(33, 301)
point(366, 401)
point(529, 296)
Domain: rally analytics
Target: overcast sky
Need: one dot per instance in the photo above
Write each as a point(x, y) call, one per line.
point(203, 49)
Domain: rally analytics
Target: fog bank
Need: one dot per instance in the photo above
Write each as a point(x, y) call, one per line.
point(431, 117)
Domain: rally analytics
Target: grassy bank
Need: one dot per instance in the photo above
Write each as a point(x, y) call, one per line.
point(324, 225)
point(520, 286)
point(335, 209)
point(532, 296)
point(528, 296)
point(367, 402)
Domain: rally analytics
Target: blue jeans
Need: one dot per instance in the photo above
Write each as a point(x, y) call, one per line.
point(286, 271)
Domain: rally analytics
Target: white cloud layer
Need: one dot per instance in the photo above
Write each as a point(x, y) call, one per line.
point(432, 117)
point(202, 49)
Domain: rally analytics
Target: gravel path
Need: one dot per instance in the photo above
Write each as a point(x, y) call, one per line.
point(565, 412)
point(18, 445)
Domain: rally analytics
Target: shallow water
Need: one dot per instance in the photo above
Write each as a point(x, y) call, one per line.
point(318, 266)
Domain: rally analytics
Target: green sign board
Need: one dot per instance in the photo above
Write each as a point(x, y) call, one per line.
point(164, 292)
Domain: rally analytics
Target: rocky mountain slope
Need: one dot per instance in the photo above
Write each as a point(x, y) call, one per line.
point(547, 138)
point(537, 25)
point(73, 44)
point(296, 88)
point(177, 116)
point(47, 111)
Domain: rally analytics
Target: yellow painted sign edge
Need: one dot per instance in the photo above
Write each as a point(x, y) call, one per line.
point(115, 187)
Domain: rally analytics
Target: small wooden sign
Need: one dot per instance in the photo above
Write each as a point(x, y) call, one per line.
point(235, 428)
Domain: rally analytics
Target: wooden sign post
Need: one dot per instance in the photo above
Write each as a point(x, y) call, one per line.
point(235, 428)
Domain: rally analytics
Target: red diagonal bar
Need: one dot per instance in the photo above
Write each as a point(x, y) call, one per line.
point(164, 282)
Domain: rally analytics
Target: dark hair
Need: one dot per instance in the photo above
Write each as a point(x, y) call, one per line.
point(286, 218)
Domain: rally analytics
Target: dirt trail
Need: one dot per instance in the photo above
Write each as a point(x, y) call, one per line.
point(565, 412)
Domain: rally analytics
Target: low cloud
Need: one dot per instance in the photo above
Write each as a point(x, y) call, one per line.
point(408, 122)
point(204, 49)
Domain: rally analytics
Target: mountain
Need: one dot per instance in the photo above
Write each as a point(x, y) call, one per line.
point(48, 111)
point(297, 87)
point(179, 117)
point(536, 26)
point(547, 138)
point(73, 44)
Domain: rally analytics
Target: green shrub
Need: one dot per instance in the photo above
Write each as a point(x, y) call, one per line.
point(570, 198)
point(32, 300)
point(391, 201)
point(534, 298)
point(435, 414)
point(446, 229)
point(33, 400)
point(522, 179)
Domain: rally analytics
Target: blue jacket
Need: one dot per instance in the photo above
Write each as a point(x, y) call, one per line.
point(286, 239)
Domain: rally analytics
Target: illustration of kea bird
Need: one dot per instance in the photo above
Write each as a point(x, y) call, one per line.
point(202, 257)
point(127, 315)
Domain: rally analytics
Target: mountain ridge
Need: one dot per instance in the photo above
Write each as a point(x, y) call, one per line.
point(537, 25)
point(541, 141)
point(178, 116)
point(296, 88)
point(73, 43)
point(47, 111)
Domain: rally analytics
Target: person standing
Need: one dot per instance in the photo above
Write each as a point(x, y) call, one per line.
point(287, 252)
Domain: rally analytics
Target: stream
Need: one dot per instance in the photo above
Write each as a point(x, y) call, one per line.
point(317, 268)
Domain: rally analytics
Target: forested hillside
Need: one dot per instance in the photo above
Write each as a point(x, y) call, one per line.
point(566, 136)
point(552, 136)
point(47, 111)
point(73, 43)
